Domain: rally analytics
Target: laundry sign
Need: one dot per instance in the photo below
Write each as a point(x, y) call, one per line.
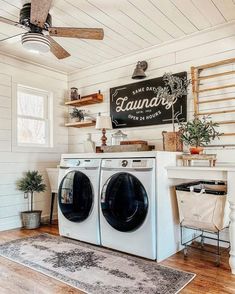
point(139, 104)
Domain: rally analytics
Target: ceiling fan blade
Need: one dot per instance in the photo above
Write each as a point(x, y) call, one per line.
point(95, 34)
point(39, 12)
point(57, 50)
point(13, 23)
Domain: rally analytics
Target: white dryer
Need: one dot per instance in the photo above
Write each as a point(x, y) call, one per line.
point(127, 206)
point(78, 212)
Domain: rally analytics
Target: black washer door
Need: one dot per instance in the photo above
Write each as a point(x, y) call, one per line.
point(124, 202)
point(75, 196)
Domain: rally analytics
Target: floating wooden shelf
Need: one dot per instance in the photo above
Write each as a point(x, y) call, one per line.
point(81, 124)
point(86, 100)
point(83, 101)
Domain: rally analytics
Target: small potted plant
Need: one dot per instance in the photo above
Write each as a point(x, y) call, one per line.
point(198, 133)
point(175, 88)
point(31, 182)
point(77, 114)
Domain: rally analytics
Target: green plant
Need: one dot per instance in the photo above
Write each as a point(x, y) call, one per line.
point(77, 113)
point(175, 88)
point(199, 132)
point(30, 183)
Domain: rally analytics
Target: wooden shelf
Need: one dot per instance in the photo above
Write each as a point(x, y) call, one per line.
point(86, 100)
point(81, 124)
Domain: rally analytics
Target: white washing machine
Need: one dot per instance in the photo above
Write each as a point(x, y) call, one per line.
point(78, 212)
point(128, 206)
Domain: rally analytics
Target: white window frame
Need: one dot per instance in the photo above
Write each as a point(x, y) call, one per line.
point(48, 118)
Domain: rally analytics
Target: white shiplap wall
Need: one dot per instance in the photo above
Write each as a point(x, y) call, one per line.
point(13, 164)
point(209, 46)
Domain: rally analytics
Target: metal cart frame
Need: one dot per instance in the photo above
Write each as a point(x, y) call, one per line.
point(203, 237)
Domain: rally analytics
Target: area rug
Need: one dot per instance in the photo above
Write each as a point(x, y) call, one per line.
point(93, 269)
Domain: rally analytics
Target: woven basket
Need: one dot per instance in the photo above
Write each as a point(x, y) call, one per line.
point(172, 141)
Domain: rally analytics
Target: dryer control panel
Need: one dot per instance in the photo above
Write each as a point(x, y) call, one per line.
point(79, 163)
point(128, 163)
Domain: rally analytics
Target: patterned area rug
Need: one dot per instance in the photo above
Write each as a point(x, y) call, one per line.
point(93, 269)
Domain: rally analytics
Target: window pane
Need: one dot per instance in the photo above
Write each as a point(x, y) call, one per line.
point(31, 131)
point(30, 104)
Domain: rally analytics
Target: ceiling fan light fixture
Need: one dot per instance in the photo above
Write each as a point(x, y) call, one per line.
point(36, 42)
point(35, 18)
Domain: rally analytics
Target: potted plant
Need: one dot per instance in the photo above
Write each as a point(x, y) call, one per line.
point(198, 133)
point(175, 88)
point(32, 182)
point(77, 114)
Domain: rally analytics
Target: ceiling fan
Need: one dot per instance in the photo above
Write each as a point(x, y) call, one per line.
point(36, 20)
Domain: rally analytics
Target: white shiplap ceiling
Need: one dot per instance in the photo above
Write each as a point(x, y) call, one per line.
point(129, 26)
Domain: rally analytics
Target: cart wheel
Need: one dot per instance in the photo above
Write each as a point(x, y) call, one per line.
point(185, 252)
point(217, 263)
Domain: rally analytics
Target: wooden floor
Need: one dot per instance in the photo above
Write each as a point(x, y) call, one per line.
point(17, 279)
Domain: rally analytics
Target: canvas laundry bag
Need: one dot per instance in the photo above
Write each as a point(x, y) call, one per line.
point(201, 210)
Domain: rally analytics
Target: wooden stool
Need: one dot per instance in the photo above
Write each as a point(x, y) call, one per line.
point(187, 158)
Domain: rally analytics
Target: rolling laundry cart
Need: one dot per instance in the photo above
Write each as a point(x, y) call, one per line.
point(203, 207)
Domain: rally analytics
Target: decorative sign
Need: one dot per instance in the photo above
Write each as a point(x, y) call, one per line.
point(139, 104)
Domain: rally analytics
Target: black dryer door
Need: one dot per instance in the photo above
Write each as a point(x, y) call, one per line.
point(124, 202)
point(75, 196)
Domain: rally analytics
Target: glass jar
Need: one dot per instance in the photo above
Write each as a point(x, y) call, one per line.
point(74, 93)
point(118, 137)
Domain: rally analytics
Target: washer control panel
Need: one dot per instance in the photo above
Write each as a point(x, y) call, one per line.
point(139, 163)
point(70, 162)
point(124, 163)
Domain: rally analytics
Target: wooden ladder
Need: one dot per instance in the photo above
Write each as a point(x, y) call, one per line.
point(196, 83)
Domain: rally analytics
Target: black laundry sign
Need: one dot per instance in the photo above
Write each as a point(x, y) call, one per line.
point(138, 104)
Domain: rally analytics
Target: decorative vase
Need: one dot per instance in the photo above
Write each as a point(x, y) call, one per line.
point(172, 141)
point(196, 150)
point(89, 145)
point(31, 219)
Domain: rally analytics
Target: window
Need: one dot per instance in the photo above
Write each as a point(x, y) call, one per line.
point(33, 117)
